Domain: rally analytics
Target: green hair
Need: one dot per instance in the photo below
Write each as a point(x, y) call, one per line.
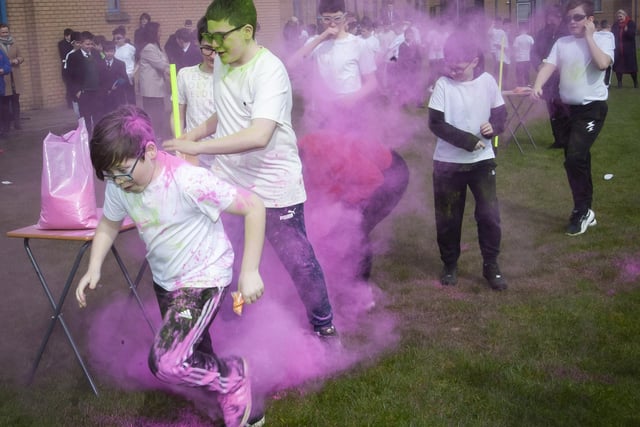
point(236, 12)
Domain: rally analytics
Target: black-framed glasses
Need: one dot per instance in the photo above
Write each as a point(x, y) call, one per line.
point(207, 50)
point(338, 19)
point(576, 17)
point(219, 37)
point(123, 177)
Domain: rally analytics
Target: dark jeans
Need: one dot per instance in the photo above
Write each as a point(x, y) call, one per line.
point(286, 231)
point(578, 132)
point(450, 182)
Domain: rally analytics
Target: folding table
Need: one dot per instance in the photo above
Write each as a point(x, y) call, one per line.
point(521, 104)
point(86, 237)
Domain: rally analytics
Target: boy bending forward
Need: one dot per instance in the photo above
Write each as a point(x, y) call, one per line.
point(176, 208)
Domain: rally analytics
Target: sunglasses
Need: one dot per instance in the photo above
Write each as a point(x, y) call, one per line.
point(219, 38)
point(576, 17)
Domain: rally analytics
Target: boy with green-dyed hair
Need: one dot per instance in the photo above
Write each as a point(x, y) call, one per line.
point(236, 12)
point(256, 147)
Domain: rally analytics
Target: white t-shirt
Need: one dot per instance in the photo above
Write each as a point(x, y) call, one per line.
point(127, 54)
point(195, 90)
point(259, 89)
point(466, 106)
point(341, 63)
point(522, 48)
point(178, 218)
point(581, 82)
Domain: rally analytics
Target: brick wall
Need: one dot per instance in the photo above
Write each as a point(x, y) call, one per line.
point(37, 26)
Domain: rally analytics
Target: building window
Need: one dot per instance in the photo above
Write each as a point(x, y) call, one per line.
point(597, 5)
point(113, 5)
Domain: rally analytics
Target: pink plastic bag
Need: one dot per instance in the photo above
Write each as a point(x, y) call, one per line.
point(68, 197)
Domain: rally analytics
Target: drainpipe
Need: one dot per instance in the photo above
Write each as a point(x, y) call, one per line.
point(3, 11)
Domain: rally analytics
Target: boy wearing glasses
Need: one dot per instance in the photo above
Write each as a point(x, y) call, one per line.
point(256, 147)
point(176, 208)
point(582, 59)
point(466, 111)
point(195, 89)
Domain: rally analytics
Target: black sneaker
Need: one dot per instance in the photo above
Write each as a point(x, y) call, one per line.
point(449, 276)
point(578, 223)
point(326, 332)
point(491, 272)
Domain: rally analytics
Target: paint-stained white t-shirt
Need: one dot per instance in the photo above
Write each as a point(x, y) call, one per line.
point(178, 219)
point(259, 89)
point(581, 81)
point(466, 106)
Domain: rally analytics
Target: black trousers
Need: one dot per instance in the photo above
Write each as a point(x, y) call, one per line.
point(5, 113)
point(14, 105)
point(578, 132)
point(450, 183)
point(90, 105)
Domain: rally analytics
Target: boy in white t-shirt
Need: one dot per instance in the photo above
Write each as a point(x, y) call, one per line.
point(522, 46)
point(256, 148)
point(466, 111)
point(176, 208)
point(344, 64)
point(582, 58)
point(195, 90)
point(126, 53)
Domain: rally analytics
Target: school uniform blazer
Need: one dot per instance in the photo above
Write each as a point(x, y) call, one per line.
point(189, 58)
point(109, 76)
point(153, 72)
point(84, 75)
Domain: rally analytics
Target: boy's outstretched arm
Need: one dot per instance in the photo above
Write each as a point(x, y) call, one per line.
point(545, 72)
point(106, 233)
point(251, 207)
point(255, 137)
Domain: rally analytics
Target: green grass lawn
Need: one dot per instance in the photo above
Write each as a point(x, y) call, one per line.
point(561, 347)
